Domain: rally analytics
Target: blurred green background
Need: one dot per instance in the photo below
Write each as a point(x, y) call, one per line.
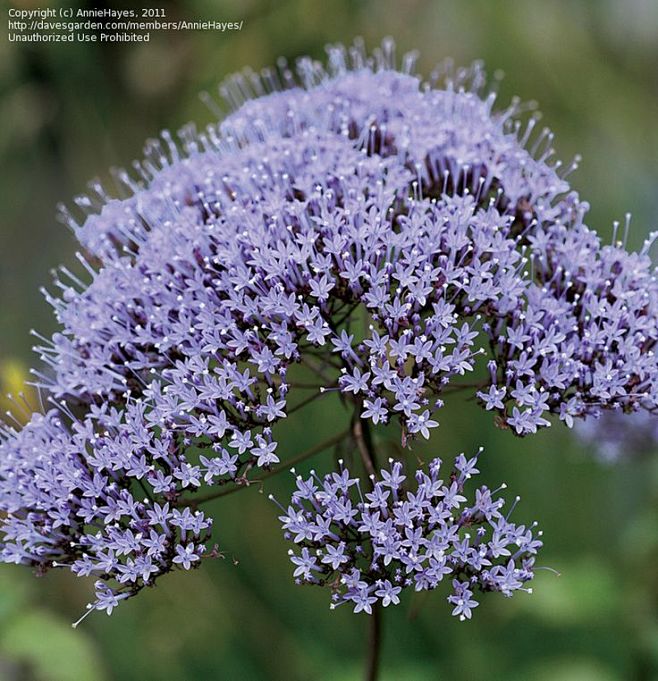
point(69, 112)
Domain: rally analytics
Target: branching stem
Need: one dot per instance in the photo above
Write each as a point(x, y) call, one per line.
point(363, 440)
point(285, 466)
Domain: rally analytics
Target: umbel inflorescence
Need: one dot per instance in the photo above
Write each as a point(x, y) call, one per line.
point(368, 546)
point(389, 235)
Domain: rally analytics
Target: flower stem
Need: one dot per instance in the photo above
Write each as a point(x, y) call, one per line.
point(311, 398)
point(285, 466)
point(374, 644)
point(363, 438)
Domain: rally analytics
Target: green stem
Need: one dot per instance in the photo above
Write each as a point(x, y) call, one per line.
point(363, 439)
point(374, 644)
point(285, 466)
point(304, 402)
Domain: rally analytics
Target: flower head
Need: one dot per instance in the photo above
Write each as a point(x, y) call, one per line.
point(369, 547)
point(388, 235)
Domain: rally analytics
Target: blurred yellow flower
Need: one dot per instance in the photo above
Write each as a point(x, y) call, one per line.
point(16, 395)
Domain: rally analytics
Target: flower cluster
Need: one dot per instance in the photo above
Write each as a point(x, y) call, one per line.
point(385, 235)
point(583, 339)
point(369, 546)
point(361, 196)
point(83, 498)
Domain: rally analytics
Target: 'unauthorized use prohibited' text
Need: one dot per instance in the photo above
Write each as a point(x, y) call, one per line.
point(70, 25)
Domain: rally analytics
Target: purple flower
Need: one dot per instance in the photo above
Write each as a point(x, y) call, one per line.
point(305, 565)
point(363, 600)
point(388, 593)
point(186, 555)
point(355, 198)
point(462, 600)
point(425, 532)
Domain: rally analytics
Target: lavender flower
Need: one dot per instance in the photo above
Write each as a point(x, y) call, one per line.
point(358, 194)
point(584, 339)
point(368, 546)
point(82, 497)
point(388, 236)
